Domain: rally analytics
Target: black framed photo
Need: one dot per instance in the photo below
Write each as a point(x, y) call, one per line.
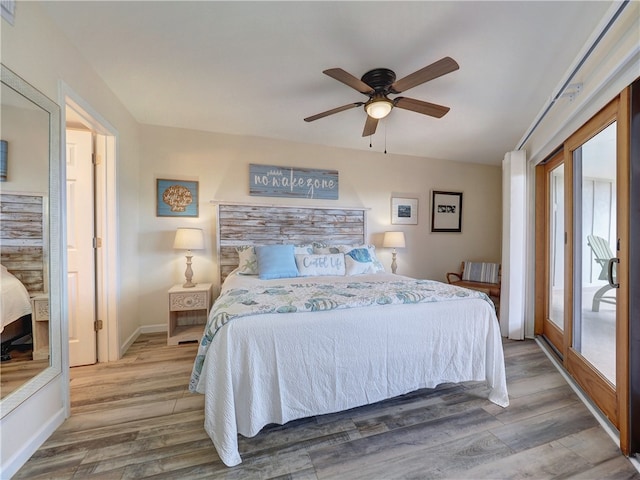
point(446, 211)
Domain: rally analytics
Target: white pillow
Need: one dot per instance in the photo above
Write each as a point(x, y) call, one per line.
point(356, 263)
point(318, 265)
point(365, 255)
point(248, 262)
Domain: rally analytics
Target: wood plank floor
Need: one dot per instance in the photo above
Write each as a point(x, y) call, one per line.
point(136, 419)
point(16, 372)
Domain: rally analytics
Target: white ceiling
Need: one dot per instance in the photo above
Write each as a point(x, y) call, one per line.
point(255, 68)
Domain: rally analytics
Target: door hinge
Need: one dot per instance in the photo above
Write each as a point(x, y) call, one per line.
point(96, 159)
point(97, 325)
point(97, 242)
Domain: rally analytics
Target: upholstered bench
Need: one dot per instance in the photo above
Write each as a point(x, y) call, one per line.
point(482, 276)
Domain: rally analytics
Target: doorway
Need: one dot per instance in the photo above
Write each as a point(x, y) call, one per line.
point(101, 302)
point(582, 285)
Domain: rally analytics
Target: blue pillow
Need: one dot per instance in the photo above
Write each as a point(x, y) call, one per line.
point(276, 261)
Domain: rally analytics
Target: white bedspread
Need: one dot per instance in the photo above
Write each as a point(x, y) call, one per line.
point(14, 298)
point(272, 368)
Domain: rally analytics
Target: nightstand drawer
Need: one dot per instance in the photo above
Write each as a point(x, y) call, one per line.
point(188, 312)
point(188, 301)
point(41, 309)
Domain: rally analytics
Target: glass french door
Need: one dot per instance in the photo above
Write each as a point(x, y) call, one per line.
point(582, 285)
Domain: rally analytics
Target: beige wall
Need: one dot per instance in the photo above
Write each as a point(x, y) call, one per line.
point(26, 130)
point(220, 163)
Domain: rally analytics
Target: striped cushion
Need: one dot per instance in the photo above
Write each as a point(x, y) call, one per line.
point(481, 272)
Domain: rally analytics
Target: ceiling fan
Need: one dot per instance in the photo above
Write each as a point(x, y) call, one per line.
point(378, 83)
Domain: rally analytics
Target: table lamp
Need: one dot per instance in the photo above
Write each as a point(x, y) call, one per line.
point(393, 240)
point(189, 239)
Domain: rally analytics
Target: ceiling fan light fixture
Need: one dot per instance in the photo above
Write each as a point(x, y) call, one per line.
point(378, 108)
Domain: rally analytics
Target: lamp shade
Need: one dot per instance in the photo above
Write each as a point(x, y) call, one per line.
point(393, 240)
point(378, 108)
point(189, 239)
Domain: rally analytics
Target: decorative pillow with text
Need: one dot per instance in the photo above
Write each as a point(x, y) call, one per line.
point(320, 264)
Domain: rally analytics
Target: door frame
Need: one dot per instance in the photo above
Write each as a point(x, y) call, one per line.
point(106, 222)
point(542, 325)
point(612, 404)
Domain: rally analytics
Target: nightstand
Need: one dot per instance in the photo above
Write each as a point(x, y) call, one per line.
point(40, 325)
point(188, 312)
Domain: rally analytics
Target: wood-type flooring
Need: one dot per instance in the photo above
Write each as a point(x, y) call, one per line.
point(16, 372)
point(136, 419)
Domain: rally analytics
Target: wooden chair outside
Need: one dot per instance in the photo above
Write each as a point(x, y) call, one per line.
point(476, 278)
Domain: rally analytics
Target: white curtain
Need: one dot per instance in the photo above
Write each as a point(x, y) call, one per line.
point(512, 296)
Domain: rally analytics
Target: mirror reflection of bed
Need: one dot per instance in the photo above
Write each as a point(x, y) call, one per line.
point(24, 213)
point(23, 301)
point(15, 310)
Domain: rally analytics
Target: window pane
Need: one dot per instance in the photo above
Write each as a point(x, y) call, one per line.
point(556, 247)
point(595, 322)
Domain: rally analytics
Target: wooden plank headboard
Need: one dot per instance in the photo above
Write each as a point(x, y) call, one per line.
point(251, 224)
point(23, 238)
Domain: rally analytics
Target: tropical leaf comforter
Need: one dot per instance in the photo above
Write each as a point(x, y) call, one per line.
point(307, 296)
point(264, 358)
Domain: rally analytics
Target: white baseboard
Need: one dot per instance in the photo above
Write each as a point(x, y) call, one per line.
point(14, 464)
point(157, 328)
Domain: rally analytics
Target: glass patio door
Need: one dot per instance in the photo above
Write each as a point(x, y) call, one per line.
point(596, 322)
point(595, 240)
point(582, 232)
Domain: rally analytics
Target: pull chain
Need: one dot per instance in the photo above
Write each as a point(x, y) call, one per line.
point(385, 138)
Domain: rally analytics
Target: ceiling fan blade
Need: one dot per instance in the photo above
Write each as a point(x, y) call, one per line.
point(419, 106)
point(370, 126)
point(435, 70)
point(333, 110)
point(348, 79)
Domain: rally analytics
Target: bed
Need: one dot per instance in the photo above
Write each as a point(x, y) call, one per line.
point(343, 335)
point(15, 302)
point(15, 313)
point(24, 263)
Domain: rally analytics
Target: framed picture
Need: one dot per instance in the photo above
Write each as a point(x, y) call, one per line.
point(404, 211)
point(446, 211)
point(176, 198)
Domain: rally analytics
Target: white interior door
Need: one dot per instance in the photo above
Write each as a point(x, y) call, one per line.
point(80, 249)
